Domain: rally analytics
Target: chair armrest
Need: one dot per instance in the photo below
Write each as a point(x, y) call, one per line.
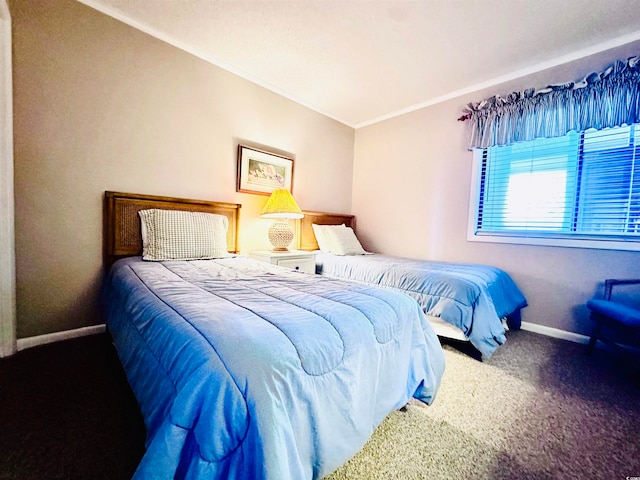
point(611, 282)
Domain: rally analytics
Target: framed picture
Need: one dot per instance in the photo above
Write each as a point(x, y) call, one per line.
point(262, 172)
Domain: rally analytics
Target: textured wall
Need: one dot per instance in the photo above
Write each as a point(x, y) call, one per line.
point(101, 106)
point(412, 177)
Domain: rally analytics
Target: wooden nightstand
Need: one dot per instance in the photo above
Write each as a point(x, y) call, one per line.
point(293, 259)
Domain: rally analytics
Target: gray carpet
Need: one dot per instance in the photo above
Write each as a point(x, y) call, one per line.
point(67, 413)
point(538, 409)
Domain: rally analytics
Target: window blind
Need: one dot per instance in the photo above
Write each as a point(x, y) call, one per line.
point(580, 185)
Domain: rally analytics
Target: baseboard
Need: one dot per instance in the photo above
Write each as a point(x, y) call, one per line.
point(23, 343)
point(555, 332)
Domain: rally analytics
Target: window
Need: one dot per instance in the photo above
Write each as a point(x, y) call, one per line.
point(582, 189)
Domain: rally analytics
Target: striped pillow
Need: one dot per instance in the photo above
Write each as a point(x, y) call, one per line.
point(181, 235)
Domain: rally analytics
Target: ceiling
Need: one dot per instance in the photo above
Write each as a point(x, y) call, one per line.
point(361, 61)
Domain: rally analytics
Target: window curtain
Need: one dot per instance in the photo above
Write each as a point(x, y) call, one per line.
point(607, 99)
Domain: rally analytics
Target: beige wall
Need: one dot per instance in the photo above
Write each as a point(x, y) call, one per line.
point(101, 106)
point(412, 177)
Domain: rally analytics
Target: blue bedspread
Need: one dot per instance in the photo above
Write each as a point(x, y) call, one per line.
point(472, 297)
point(245, 370)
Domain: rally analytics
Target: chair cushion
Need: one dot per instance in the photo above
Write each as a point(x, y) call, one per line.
point(619, 312)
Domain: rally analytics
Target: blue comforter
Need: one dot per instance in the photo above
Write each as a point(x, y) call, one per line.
point(245, 370)
point(472, 297)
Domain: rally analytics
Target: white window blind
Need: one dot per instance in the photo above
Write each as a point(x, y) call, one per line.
point(583, 185)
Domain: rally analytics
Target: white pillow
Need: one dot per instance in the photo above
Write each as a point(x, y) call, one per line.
point(181, 235)
point(343, 241)
point(321, 237)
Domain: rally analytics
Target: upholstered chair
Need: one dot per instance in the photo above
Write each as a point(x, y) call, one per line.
point(615, 319)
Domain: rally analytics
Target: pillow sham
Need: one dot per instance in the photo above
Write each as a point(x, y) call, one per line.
point(343, 241)
point(182, 235)
point(319, 231)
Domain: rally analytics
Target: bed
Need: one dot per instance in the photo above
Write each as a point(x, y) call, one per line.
point(244, 369)
point(467, 302)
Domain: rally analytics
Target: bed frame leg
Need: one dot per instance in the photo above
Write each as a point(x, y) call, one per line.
point(514, 321)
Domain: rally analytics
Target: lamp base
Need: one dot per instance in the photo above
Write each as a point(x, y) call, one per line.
point(280, 236)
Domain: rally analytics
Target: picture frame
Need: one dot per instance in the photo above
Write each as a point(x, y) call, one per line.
point(261, 172)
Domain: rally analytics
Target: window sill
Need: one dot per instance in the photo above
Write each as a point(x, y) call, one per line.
point(556, 242)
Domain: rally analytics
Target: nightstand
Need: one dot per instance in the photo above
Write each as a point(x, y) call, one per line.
point(293, 259)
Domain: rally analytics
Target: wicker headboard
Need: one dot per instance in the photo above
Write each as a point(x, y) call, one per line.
point(306, 239)
point(122, 222)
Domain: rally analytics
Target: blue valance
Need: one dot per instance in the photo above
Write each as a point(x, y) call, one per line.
point(607, 99)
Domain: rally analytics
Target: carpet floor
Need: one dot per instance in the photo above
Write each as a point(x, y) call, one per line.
point(538, 409)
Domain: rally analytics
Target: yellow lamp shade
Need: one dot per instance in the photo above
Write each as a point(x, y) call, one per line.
point(281, 204)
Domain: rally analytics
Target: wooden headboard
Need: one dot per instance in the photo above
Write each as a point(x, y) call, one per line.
point(306, 239)
point(122, 223)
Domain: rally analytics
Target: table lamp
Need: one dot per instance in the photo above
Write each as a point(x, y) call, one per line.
point(281, 206)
